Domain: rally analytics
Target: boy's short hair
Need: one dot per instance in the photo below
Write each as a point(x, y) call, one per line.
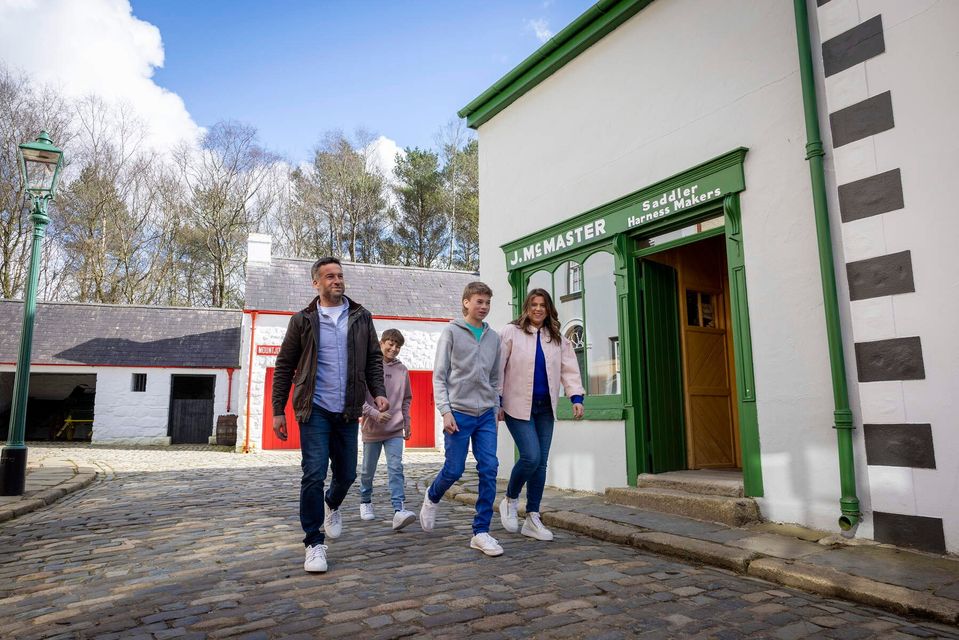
point(322, 262)
point(394, 335)
point(475, 289)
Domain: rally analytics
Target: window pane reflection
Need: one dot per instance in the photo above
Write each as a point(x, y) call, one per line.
point(704, 225)
point(602, 325)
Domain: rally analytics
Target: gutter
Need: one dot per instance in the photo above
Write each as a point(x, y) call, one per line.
point(849, 502)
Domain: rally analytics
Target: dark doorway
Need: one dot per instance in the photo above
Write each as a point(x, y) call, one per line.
point(191, 409)
point(59, 406)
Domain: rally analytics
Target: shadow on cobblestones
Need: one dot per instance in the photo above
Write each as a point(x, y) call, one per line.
point(208, 545)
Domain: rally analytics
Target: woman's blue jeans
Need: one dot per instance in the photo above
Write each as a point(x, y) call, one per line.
point(533, 438)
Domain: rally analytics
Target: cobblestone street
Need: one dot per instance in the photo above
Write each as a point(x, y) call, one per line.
point(193, 544)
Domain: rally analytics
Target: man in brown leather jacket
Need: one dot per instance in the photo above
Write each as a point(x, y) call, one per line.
point(331, 356)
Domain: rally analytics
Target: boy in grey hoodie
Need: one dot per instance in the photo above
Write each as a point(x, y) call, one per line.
point(387, 430)
point(465, 379)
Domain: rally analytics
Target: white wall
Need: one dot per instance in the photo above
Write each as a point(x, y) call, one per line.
point(919, 68)
point(417, 354)
point(678, 84)
point(123, 416)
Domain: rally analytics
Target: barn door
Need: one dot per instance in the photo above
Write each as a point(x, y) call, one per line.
point(422, 411)
point(270, 441)
point(191, 409)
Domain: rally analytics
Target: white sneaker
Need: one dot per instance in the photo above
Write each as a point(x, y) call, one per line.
point(533, 527)
point(487, 544)
point(507, 514)
point(315, 559)
point(333, 523)
point(366, 511)
point(428, 513)
point(402, 518)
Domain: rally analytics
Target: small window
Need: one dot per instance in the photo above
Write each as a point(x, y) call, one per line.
point(139, 382)
point(700, 309)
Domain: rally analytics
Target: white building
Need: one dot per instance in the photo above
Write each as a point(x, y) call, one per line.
point(648, 164)
point(122, 374)
point(418, 302)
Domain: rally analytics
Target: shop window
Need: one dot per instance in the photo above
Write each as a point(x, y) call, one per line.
point(574, 278)
point(601, 324)
point(139, 382)
point(577, 337)
point(540, 280)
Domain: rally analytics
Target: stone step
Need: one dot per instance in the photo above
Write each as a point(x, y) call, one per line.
point(731, 511)
point(714, 483)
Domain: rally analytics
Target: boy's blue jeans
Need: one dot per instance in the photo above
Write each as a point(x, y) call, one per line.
point(326, 439)
point(481, 430)
point(394, 469)
point(533, 438)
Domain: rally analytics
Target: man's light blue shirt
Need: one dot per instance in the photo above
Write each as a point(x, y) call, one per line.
point(331, 359)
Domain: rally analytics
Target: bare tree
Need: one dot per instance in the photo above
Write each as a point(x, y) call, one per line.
point(225, 185)
point(24, 112)
point(450, 140)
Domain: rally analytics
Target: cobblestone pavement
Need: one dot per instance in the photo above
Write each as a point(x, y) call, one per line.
point(195, 544)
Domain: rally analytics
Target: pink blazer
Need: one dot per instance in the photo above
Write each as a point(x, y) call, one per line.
point(517, 362)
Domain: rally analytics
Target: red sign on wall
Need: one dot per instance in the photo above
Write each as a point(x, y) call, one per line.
point(267, 349)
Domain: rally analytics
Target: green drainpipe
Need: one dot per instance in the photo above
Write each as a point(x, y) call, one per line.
point(849, 503)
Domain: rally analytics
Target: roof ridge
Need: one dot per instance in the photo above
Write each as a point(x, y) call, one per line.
point(378, 266)
point(49, 303)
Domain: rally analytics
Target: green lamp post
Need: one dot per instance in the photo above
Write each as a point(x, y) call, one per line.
point(40, 163)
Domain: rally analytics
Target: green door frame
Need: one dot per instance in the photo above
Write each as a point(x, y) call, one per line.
point(651, 211)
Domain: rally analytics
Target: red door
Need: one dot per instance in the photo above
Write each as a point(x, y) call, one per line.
point(270, 441)
point(423, 410)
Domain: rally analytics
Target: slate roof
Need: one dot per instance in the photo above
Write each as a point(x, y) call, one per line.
point(285, 285)
point(120, 335)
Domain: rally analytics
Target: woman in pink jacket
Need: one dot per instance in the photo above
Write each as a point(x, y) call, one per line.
point(535, 358)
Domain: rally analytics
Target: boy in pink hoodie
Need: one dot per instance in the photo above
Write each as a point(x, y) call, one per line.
point(387, 430)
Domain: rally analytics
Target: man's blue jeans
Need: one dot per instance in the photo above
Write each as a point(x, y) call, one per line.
point(533, 438)
point(326, 440)
point(482, 431)
point(394, 469)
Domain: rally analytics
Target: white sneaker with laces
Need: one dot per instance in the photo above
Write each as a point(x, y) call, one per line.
point(533, 527)
point(403, 518)
point(366, 511)
point(428, 513)
point(315, 559)
point(487, 544)
point(508, 514)
point(333, 523)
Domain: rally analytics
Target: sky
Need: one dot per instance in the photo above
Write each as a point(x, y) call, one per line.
point(294, 69)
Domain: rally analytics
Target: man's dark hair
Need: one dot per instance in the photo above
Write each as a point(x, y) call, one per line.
point(394, 335)
point(315, 271)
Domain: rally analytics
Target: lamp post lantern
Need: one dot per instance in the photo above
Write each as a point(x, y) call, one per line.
point(40, 163)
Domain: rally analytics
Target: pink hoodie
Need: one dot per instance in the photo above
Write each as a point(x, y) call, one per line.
point(396, 378)
point(517, 362)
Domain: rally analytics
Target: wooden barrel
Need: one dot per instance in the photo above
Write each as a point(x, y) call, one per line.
point(226, 430)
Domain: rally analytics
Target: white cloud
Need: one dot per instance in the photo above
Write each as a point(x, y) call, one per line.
point(540, 27)
point(383, 152)
point(99, 47)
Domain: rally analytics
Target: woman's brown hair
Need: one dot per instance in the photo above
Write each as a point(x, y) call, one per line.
point(551, 322)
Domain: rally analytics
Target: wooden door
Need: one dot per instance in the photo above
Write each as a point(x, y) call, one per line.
point(707, 372)
point(662, 367)
point(191, 409)
point(422, 411)
point(270, 441)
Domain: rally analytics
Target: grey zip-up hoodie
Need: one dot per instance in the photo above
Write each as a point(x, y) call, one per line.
point(466, 371)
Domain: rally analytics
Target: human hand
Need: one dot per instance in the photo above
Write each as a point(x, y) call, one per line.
point(500, 416)
point(279, 427)
point(382, 404)
point(577, 411)
point(383, 417)
point(407, 433)
point(449, 424)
